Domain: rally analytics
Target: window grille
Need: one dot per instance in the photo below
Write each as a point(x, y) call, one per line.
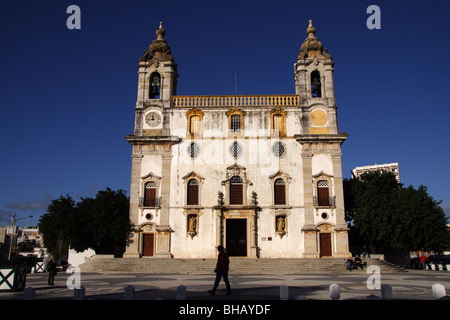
point(192, 192)
point(236, 190)
point(193, 150)
point(235, 123)
point(235, 149)
point(280, 192)
point(194, 124)
point(278, 149)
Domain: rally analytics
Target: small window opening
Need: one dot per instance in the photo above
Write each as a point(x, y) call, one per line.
point(155, 84)
point(316, 86)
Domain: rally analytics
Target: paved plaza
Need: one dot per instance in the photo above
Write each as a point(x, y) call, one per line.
point(412, 285)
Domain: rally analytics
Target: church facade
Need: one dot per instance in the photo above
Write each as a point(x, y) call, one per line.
point(258, 174)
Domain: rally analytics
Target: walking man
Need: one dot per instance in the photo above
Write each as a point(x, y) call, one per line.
point(223, 263)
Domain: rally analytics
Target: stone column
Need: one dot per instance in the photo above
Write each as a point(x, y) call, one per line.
point(254, 235)
point(164, 230)
point(309, 230)
point(132, 250)
point(341, 241)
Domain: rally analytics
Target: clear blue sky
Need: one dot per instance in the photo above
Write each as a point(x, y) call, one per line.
point(67, 96)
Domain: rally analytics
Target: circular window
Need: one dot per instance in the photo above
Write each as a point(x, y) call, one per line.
point(278, 149)
point(193, 150)
point(324, 215)
point(149, 216)
point(235, 149)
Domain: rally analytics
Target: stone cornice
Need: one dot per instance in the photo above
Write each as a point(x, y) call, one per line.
point(133, 139)
point(321, 138)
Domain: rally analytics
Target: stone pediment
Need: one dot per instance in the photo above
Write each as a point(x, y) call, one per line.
point(236, 170)
point(151, 176)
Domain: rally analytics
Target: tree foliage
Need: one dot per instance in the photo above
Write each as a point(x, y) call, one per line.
point(100, 223)
point(386, 214)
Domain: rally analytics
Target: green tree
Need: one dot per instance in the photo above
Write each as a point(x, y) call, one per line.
point(387, 215)
point(100, 223)
point(108, 222)
point(419, 222)
point(54, 225)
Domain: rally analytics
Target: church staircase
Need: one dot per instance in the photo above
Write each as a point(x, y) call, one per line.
point(100, 264)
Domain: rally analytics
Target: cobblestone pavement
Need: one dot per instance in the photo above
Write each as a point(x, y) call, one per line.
point(412, 285)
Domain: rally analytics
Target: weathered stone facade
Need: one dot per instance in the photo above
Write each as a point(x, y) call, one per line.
point(259, 174)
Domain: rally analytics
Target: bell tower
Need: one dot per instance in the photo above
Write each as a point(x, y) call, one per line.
point(315, 86)
point(321, 150)
point(152, 151)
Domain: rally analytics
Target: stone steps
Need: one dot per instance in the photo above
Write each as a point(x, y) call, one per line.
point(101, 264)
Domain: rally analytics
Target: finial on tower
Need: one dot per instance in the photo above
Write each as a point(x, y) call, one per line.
point(310, 31)
point(160, 33)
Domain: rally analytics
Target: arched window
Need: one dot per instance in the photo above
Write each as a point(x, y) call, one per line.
point(316, 86)
point(150, 194)
point(323, 194)
point(192, 192)
point(279, 192)
point(236, 190)
point(155, 85)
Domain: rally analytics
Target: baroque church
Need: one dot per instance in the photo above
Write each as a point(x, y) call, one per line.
point(258, 174)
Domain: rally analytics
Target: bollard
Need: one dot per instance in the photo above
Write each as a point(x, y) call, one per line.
point(79, 294)
point(29, 293)
point(128, 293)
point(335, 293)
point(181, 292)
point(386, 292)
point(284, 292)
point(438, 291)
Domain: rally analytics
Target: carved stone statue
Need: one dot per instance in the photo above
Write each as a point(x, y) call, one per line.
point(144, 57)
point(192, 223)
point(281, 224)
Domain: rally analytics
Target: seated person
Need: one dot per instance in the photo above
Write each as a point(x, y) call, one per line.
point(349, 264)
point(358, 263)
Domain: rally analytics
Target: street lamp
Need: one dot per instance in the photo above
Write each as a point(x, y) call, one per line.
point(12, 231)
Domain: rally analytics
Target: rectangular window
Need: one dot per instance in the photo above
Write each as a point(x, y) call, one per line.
point(192, 196)
point(235, 123)
point(195, 124)
point(280, 194)
point(236, 194)
point(278, 122)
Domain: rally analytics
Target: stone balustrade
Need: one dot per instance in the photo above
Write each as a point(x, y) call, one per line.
point(236, 101)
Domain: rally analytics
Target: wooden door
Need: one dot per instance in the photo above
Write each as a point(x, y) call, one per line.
point(323, 195)
point(148, 244)
point(325, 245)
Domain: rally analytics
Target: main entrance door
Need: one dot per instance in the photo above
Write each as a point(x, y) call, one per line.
point(148, 244)
point(325, 245)
point(236, 237)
